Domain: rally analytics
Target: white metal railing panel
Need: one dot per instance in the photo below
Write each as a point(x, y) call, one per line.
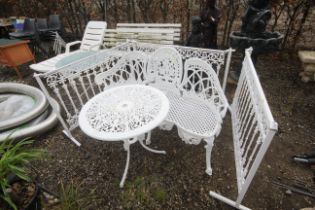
point(253, 129)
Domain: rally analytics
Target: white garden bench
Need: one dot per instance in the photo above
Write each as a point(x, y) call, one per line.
point(156, 33)
point(189, 77)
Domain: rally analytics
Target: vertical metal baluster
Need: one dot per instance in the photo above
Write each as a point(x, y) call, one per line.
point(83, 87)
point(56, 91)
point(247, 148)
point(91, 85)
point(73, 84)
point(253, 120)
point(65, 87)
point(244, 121)
point(257, 145)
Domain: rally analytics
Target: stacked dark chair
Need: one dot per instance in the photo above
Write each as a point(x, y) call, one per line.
point(39, 30)
point(28, 32)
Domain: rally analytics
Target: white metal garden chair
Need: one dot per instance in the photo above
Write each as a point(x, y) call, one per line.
point(253, 129)
point(198, 112)
point(165, 72)
point(91, 42)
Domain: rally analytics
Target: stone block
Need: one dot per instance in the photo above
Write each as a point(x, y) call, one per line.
point(309, 67)
point(306, 79)
point(307, 56)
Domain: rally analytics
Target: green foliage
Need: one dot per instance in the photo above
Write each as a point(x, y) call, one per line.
point(143, 193)
point(71, 199)
point(15, 158)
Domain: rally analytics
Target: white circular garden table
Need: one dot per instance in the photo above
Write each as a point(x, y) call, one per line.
point(124, 113)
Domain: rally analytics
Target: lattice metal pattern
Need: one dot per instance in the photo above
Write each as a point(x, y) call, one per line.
point(216, 58)
point(195, 117)
point(130, 69)
point(73, 87)
point(165, 69)
point(123, 110)
point(201, 82)
point(253, 125)
point(74, 84)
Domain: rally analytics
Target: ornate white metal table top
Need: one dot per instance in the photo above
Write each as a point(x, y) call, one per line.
point(123, 112)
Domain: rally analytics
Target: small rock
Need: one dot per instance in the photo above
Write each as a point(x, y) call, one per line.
point(269, 166)
point(288, 192)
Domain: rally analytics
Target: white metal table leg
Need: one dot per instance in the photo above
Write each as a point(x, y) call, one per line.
point(149, 149)
point(148, 139)
point(208, 154)
point(127, 148)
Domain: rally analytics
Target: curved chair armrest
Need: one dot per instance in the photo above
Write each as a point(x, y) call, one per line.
point(68, 45)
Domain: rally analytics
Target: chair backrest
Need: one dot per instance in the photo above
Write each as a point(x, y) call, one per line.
point(29, 25)
point(253, 125)
point(54, 22)
point(165, 69)
point(175, 32)
point(201, 82)
point(93, 35)
point(41, 23)
point(130, 69)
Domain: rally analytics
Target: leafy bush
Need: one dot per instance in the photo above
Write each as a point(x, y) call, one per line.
point(15, 159)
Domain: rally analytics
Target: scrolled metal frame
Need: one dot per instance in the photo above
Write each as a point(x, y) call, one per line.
point(74, 84)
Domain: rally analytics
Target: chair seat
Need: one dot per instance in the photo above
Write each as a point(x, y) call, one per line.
point(49, 30)
point(21, 34)
point(52, 63)
point(199, 119)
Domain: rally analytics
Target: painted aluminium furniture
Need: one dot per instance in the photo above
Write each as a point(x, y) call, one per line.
point(125, 113)
point(249, 100)
point(14, 53)
point(193, 108)
point(253, 129)
point(91, 42)
point(75, 84)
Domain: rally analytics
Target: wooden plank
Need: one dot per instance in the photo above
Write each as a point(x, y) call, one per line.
point(146, 30)
point(157, 25)
point(175, 26)
point(143, 32)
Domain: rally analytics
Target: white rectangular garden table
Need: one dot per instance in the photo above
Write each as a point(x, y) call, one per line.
point(124, 113)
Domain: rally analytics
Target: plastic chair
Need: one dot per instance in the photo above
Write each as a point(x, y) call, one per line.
point(91, 41)
point(54, 23)
point(41, 24)
point(28, 30)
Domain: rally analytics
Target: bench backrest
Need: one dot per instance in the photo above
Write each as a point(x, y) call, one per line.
point(201, 82)
point(253, 125)
point(130, 69)
point(165, 34)
point(165, 68)
point(175, 26)
point(93, 34)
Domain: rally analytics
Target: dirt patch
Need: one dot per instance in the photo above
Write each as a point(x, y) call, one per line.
point(178, 180)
